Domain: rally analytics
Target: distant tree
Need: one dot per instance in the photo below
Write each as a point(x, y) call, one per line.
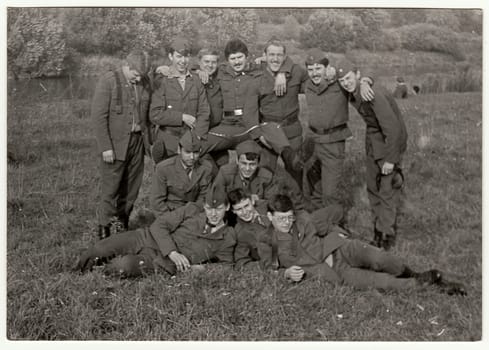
point(443, 18)
point(400, 17)
point(36, 45)
point(470, 21)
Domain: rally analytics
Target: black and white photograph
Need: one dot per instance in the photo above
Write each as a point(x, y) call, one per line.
point(232, 173)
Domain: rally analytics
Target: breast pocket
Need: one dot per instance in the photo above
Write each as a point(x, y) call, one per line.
point(176, 187)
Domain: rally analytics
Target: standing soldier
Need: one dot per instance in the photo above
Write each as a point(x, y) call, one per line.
point(178, 104)
point(263, 105)
point(120, 116)
point(181, 179)
point(385, 143)
point(328, 117)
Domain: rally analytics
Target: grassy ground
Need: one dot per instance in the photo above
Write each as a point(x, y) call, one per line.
point(52, 191)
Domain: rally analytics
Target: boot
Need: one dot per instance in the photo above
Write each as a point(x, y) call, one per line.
point(103, 231)
point(292, 160)
point(377, 241)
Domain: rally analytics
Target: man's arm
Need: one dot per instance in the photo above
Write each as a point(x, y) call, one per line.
point(159, 192)
point(203, 110)
point(100, 113)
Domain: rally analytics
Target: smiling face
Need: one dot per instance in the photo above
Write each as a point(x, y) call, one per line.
point(215, 215)
point(316, 72)
point(282, 221)
point(179, 61)
point(274, 56)
point(237, 61)
point(350, 81)
point(208, 64)
point(247, 167)
point(245, 209)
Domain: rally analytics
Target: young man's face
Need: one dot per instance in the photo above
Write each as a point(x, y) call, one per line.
point(188, 158)
point(244, 209)
point(132, 75)
point(208, 63)
point(275, 56)
point(215, 215)
point(179, 61)
point(237, 61)
point(247, 167)
point(350, 81)
point(316, 72)
point(282, 221)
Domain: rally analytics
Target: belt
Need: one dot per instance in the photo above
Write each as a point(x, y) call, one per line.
point(236, 113)
point(322, 131)
point(283, 122)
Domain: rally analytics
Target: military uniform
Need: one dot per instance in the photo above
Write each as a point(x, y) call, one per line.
point(120, 116)
point(330, 255)
point(172, 188)
point(386, 141)
point(184, 230)
point(169, 102)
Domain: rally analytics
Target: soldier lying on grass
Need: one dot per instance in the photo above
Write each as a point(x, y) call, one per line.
point(175, 241)
point(293, 246)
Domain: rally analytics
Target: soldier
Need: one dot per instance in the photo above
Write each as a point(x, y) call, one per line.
point(252, 219)
point(263, 105)
point(401, 90)
point(328, 117)
point(386, 142)
point(175, 241)
point(294, 247)
point(181, 179)
point(178, 104)
point(253, 178)
point(120, 117)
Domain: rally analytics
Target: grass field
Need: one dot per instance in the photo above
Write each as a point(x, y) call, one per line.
point(53, 187)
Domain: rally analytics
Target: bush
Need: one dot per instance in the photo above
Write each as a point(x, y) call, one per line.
point(291, 28)
point(428, 37)
point(464, 79)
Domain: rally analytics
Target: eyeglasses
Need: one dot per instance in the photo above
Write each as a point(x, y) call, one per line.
point(285, 219)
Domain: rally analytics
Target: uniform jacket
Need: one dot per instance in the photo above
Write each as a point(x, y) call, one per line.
point(247, 233)
point(172, 188)
point(169, 102)
point(328, 108)
point(304, 246)
point(263, 105)
point(215, 100)
point(113, 124)
point(184, 230)
point(386, 130)
point(261, 183)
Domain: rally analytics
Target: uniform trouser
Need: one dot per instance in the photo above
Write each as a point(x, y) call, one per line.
point(120, 182)
point(129, 254)
point(332, 157)
point(384, 199)
point(362, 265)
point(228, 136)
point(323, 218)
point(269, 157)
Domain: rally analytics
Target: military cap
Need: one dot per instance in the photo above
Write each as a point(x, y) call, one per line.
point(190, 142)
point(216, 195)
point(343, 68)
point(181, 45)
point(316, 56)
point(248, 146)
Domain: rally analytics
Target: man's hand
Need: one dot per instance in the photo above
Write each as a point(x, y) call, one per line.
point(387, 168)
point(108, 156)
point(179, 260)
point(264, 142)
point(366, 91)
point(280, 87)
point(260, 60)
point(189, 120)
point(203, 76)
point(294, 273)
point(163, 70)
point(330, 73)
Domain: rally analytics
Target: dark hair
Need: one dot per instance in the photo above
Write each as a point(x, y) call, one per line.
point(281, 203)
point(324, 61)
point(235, 46)
point(251, 156)
point(237, 195)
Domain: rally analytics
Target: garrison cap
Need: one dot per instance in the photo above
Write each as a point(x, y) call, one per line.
point(181, 45)
point(216, 196)
point(190, 142)
point(316, 56)
point(248, 146)
point(343, 68)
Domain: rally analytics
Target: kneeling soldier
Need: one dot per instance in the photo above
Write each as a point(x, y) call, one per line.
point(188, 235)
point(181, 179)
point(294, 246)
